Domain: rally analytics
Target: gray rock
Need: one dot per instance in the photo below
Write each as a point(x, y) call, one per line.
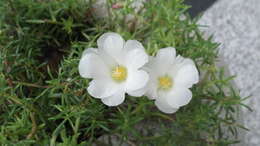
point(236, 25)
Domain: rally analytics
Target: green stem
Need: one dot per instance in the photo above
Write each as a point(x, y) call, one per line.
point(34, 126)
point(29, 84)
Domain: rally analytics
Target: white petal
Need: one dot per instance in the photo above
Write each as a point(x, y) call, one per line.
point(133, 44)
point(164, 60)
point(167, 55)
point(113, 44)
point(115, 99)
point(149, 66)
point(136, 58)
point(186, 75)
point(152, 67)
point(179, 97)
point(153, 72)
point(102, 88)
point(163, 106)
point(181, 61)
point(92, 66)
point(108, 60)
point(138, 93)
point(89, 50)
point(151, 92)
point(136, 79)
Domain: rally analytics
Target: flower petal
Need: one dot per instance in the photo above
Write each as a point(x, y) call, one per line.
point(163, 106)
point(179, 97)
point(138, 93)
point(132, 45)
point(164, 59)
point(115, 99)
point(151, 92)
point(89, 50)
point(108, 60)
point(92, 66)
point(187, 74)
point(166, 55)
point(136, 58)
point(102, 88)
point(151, 69)
point(136, 79)
point(113, 44)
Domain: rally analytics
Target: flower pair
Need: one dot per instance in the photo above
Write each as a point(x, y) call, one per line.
point(118, 67)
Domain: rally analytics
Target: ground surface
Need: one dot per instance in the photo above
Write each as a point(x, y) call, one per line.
point(236, 25)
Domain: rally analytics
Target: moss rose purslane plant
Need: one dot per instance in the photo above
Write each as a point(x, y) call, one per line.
point(43, 98)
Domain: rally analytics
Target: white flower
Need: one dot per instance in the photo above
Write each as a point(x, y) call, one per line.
point(170, 80)
point(115, 69)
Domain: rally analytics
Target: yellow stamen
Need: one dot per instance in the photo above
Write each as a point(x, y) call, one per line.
point(119, 73)
point(164, 82)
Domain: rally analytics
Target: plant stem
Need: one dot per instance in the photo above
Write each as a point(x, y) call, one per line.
point(34, 126)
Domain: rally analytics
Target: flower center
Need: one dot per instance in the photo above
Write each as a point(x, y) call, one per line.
point(164, 82)
point(119, 73)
